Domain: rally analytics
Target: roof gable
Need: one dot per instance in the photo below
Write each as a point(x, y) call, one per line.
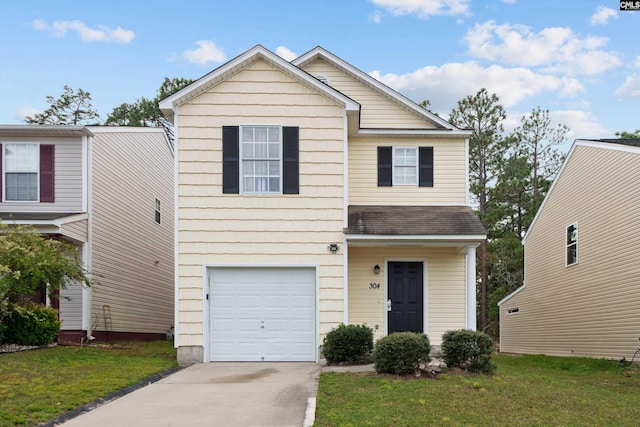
point(380, 88)
point(234, 66)
point(627, 145)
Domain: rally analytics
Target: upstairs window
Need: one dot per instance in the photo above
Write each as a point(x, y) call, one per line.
point(572, 244)
point(260, 153)
point(157, 211)
point(27, 172)
point(21, 167)
point(260, 160)
point(405, 166)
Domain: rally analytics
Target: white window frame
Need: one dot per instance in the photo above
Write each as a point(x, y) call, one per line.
point(5, 171)
point(395, 165)
point(244, 159)
point(569, 244)
point(157, 215)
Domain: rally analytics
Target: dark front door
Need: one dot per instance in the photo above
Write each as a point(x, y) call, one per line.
point(405, 297)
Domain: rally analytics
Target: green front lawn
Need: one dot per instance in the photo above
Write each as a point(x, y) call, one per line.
point(525, 391)
point(39, 385)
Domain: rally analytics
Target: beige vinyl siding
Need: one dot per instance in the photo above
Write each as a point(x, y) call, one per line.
point(449, 173)
point(232, 229)
point(68, 177)
point(445, 281)
point(76, 230)
point(71, 307)
point(130, 251)
point(590, 308)
point(377, 111)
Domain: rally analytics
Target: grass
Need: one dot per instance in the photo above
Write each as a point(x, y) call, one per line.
point(525, 391)
point(39, 385)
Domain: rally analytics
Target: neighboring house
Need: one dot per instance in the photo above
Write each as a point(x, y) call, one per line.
point(108, 191)
point(581, 295)
point(310, 194)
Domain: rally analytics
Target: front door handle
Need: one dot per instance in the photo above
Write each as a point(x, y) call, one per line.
point(389, 304)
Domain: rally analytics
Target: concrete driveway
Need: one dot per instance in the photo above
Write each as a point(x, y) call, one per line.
point(216, 394)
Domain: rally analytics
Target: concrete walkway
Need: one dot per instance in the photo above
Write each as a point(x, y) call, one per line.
point(216, 394)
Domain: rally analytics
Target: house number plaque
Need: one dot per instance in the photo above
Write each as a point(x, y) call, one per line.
point(374, 285)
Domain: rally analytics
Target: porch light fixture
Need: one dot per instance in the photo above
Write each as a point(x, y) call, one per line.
point(334, 248)
point(376, 269)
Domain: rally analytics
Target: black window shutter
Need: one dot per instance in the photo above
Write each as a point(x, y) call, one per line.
point(47, 173)
point(426, 167)
point(290, 160)
point(384, 167)
point(231, 159)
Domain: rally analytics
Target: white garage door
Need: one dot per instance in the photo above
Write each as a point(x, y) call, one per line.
point(262, 314)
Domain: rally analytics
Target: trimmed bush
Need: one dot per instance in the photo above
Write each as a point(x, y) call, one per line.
point(31, 324)
point(348, 343)
point(401, 353)
point(468, 350)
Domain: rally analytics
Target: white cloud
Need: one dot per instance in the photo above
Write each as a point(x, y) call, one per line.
point(285, 53)
point(556, 49)
point(630, 88)
point(602, 15)
point(206, 52)
point(23, 111)
point(376, 16)
point(424, 8)
point(636, 63)
point(509, 1)
point(581, 124)
point(443, 86)
point(86, 34)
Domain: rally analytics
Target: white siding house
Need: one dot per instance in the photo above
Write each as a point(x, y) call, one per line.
point(100, 189)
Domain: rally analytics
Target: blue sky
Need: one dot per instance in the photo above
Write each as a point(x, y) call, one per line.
point(578, 59)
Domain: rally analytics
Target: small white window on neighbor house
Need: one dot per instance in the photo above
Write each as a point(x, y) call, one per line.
point(405, 166)
point(21, 167)
point(157, 211)
point(260, 158)
point(572, 244)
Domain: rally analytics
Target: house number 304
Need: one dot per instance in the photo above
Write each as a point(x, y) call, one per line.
point(374, 285)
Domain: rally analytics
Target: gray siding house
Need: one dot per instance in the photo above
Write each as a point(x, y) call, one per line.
point(108, 191)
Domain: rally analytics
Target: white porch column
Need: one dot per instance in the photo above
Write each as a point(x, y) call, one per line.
point(471, 287)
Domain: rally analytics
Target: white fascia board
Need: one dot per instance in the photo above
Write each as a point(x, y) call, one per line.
point(370, 81)
point(233, 66)
point(460, 133)
point(430, 241)
point(514, 293)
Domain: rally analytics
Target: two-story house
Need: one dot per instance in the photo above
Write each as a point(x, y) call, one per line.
point(310, 194)
point(109, 192)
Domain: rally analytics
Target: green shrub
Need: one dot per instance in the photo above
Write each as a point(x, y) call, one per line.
point(468, 350)
point(401, 353)
point(31, 324)
point(348, 343)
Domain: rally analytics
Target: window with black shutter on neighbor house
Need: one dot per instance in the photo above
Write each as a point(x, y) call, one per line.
point(405, 166)
point(260, 160)
point(26, 172)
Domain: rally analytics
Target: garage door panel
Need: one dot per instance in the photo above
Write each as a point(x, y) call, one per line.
point(264, 314)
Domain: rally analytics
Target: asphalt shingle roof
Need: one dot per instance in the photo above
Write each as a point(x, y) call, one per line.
point(414, 221)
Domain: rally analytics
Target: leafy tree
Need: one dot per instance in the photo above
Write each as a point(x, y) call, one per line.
point(483, 115)
point(72, 108)
point(537, 140)
point(629, 135)
point(146, 112)
point(29, 263)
